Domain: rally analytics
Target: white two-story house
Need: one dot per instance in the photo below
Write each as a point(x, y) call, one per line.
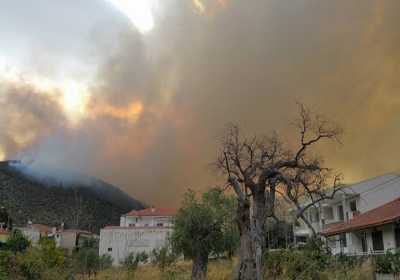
point(139, 231)
point(348, 220)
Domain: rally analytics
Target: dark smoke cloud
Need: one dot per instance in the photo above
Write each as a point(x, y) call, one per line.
point(247, 62)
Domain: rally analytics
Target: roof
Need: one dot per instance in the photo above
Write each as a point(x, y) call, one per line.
point(381, 215)
point(77, 231)
point(4, 232)
point(135, 228)
point(151, 212)
point(41, 228)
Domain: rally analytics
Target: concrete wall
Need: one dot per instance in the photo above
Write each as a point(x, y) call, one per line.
point(67, 241)
point(33, 235)
point(129, 221)
point(120, 242)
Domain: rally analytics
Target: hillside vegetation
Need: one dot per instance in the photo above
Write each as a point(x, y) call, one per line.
point(89, 205)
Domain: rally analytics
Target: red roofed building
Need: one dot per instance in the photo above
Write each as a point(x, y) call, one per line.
point(374, 231)
point(139, 231)
point(359, 219)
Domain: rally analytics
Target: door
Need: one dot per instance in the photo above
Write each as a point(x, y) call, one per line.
point(377, 240)
point(364, 244)
point(397, 235)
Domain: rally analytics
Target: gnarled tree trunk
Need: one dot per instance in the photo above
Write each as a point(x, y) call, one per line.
point(258, 230)
point(199, 269)
point(246, 269)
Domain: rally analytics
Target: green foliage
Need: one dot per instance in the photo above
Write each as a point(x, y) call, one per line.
point(163, 257)
point(132, 261)
point(87, 261)
point(314, 262)
point(41, 262)
point(50, 254)
point(388, 263)
point(17, 242)
point(205, 226)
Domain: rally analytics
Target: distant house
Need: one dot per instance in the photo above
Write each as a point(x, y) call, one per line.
point(139, 231)
point(353, 205)
point(68, 239)
point(34, 232)
point(73, 239)
point(372, 232)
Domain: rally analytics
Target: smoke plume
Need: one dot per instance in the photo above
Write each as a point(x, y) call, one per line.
point(159, 102)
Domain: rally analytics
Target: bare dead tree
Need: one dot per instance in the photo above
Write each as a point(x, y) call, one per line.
point(258, 169)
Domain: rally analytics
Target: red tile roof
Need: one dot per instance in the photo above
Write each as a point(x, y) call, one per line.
point(153, 212)
point(381, 215)
point(41, 228)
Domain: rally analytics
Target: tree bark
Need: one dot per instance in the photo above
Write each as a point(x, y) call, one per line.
point(258, 230)
point(199, 269)
point(246, 269)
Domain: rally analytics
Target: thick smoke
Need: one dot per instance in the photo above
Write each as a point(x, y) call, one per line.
point(245, 62)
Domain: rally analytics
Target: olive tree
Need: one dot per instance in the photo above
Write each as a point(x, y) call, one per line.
point(260, 168)
point(201, 229)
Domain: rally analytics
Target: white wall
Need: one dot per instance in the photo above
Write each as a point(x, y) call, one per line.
point(120, 242)
point(147, 221)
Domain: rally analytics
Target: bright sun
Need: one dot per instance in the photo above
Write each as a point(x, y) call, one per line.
point(139, 13)
point(75, 98)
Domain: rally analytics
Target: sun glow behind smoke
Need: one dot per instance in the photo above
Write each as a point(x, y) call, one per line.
point(139, 13)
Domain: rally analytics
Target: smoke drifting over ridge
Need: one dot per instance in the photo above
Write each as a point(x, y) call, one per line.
point(159, 101)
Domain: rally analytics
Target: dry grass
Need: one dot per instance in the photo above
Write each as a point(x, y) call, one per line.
point(217, 270)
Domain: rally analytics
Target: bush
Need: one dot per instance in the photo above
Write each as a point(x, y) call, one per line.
point(17, 242)
point(388, 263)
point(312, 261)
point(132, 261)
point(163, 257)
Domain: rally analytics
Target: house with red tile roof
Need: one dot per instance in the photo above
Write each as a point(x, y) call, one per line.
point(372, 232)
point(356, 204)
point(139, 231)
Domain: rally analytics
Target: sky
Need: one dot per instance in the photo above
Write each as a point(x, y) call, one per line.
point(138, 92)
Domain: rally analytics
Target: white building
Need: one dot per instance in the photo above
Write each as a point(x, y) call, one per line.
point(139, 231)
point(67, 239)
point(354, 204)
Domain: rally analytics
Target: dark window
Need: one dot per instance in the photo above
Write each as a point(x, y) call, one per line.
point(377, 241)
point(353, 206)
point(132, 225)
point(109, 249)
point(364, 244)
point(397, 235)
point(160, 224)
point(340, 213)
point(343, 240)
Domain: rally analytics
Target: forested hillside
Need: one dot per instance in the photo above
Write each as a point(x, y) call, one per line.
point(89, 205)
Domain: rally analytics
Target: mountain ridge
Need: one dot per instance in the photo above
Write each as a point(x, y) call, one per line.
point(89, 205)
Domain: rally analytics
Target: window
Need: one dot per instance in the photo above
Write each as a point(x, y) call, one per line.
point(340, 213)
point(132, 225)
point(364, 244)
point(353, 206)
point(328, 212)
point(397, 235)
point(160, 224)
point(377, 241)
point(109, 249)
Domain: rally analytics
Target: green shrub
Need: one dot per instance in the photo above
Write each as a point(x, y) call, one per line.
point(132, 261)
point(17, 242)
point(163, 257)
